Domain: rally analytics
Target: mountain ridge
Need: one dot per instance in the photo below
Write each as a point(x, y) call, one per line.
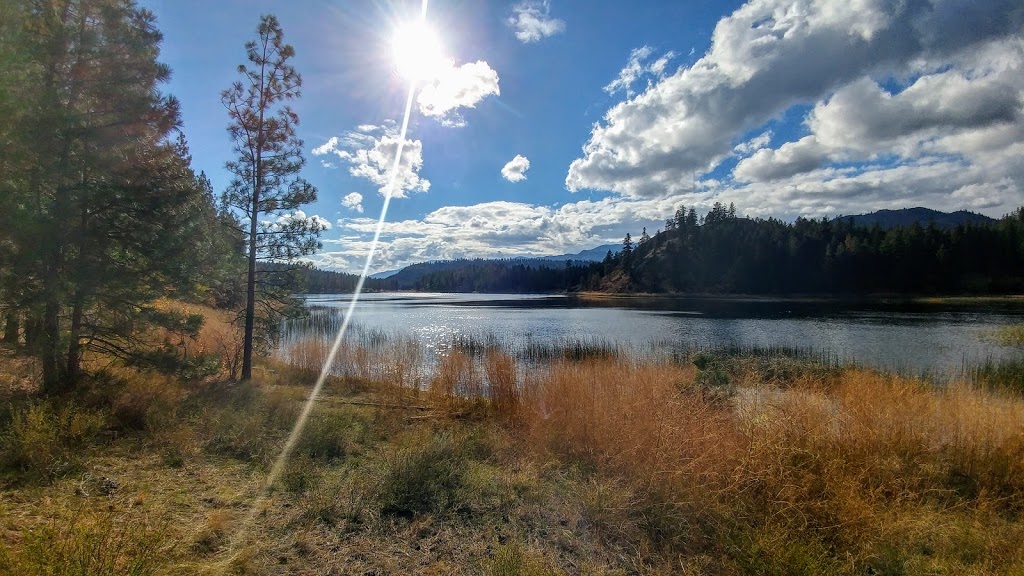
point(924, 216)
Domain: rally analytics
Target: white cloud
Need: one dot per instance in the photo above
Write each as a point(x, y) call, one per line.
point(494, 230)
point(947, 112)
point(326, 147)
point(353, 201)
point(756, 143)
point(515, 170)
point(297, 219)
point(789, 159)
point(770, 55)
point(637, 68)
point(908, 103)
point(457, 87)
point(531, 20)
point(370, 153)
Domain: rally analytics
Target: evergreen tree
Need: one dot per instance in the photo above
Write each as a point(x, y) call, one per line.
point(100, 190)
point(267, 188)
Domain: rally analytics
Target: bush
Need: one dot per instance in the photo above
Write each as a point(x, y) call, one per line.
point(43, 442)
point(241, 433)
point(299, 476)
point(423, 478)
point(336, 500)
point(103, 545)
point(141, 401)
point(251, 426)
point(326, 436)
point(513, 560)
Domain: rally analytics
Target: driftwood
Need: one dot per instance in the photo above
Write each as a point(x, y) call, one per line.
point(384, 405)
point(453, 415)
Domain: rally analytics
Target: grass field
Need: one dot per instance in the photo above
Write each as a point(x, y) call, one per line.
point(714, 464)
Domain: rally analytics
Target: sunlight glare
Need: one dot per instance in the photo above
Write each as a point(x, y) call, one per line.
point(418, 52)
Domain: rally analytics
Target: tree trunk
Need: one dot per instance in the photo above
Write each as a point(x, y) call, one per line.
point(33, 330)
point(74, 362)
point(12, 326)
point(50, 344)
point(250, 292)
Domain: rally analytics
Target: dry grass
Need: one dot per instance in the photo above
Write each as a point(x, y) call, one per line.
point(603, 465)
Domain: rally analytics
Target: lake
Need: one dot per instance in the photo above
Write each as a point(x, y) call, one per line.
point(910, 337)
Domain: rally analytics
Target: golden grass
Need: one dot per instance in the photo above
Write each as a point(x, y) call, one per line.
point(604, 465)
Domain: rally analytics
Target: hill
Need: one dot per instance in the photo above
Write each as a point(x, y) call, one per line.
point(410, 276)
point(923, 216)
point(592, 255)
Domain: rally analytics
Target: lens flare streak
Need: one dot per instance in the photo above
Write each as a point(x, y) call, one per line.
point(282, 460)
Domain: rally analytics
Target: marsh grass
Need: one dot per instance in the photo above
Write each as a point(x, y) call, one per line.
point(580, 460)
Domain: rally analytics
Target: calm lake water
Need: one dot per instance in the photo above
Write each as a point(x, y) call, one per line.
point(907, 337)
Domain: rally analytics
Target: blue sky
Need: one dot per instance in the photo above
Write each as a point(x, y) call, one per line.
point(622, 111)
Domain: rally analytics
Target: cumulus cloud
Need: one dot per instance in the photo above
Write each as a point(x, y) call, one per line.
point(457, 87)
point(756, 143)
point(297, 220)
point(353, 201)
point(939, 114)
point(370, 153)
point(902, 103)
point(789, 159)
point(515, 170)
point(770, 55)
point(531, 21)
point(494, 230)
point(636, 68)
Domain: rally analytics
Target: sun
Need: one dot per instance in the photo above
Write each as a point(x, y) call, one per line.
point(418, 52)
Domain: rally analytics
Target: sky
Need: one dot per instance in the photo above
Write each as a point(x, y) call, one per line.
point(551, 126)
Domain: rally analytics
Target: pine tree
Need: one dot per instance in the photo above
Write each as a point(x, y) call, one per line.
point(267, 188)
point(103, 190)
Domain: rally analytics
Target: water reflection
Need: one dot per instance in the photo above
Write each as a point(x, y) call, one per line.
point(915, 337)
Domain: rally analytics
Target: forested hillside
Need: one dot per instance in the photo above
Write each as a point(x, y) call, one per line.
point(721, 253)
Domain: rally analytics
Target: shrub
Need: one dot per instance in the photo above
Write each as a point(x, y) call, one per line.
point(103, 545)
point(422, 478)
point(247, 422)
point(333, 501)
point(43, 442)
point(513, 560)
point(241, 433)
point(299, 476)
point(141, 401)
point(326, 436)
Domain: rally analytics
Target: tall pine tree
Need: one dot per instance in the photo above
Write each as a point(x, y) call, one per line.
point(102, 190)
point(267, 189)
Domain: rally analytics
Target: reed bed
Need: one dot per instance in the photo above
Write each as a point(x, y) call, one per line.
point(774, 452)
point(572, 457)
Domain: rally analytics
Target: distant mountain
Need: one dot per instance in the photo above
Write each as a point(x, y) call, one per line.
point(592, 255)
point(385, 274)
point(408, 276)
point(923, 216)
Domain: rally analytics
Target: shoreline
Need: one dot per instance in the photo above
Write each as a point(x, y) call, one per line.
point(805, 298)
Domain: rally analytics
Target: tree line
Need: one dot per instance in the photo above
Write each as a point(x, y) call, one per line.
point(722, 253)
point(103, 215)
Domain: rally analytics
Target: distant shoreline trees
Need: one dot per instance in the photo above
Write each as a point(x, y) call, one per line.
point(722, 253)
